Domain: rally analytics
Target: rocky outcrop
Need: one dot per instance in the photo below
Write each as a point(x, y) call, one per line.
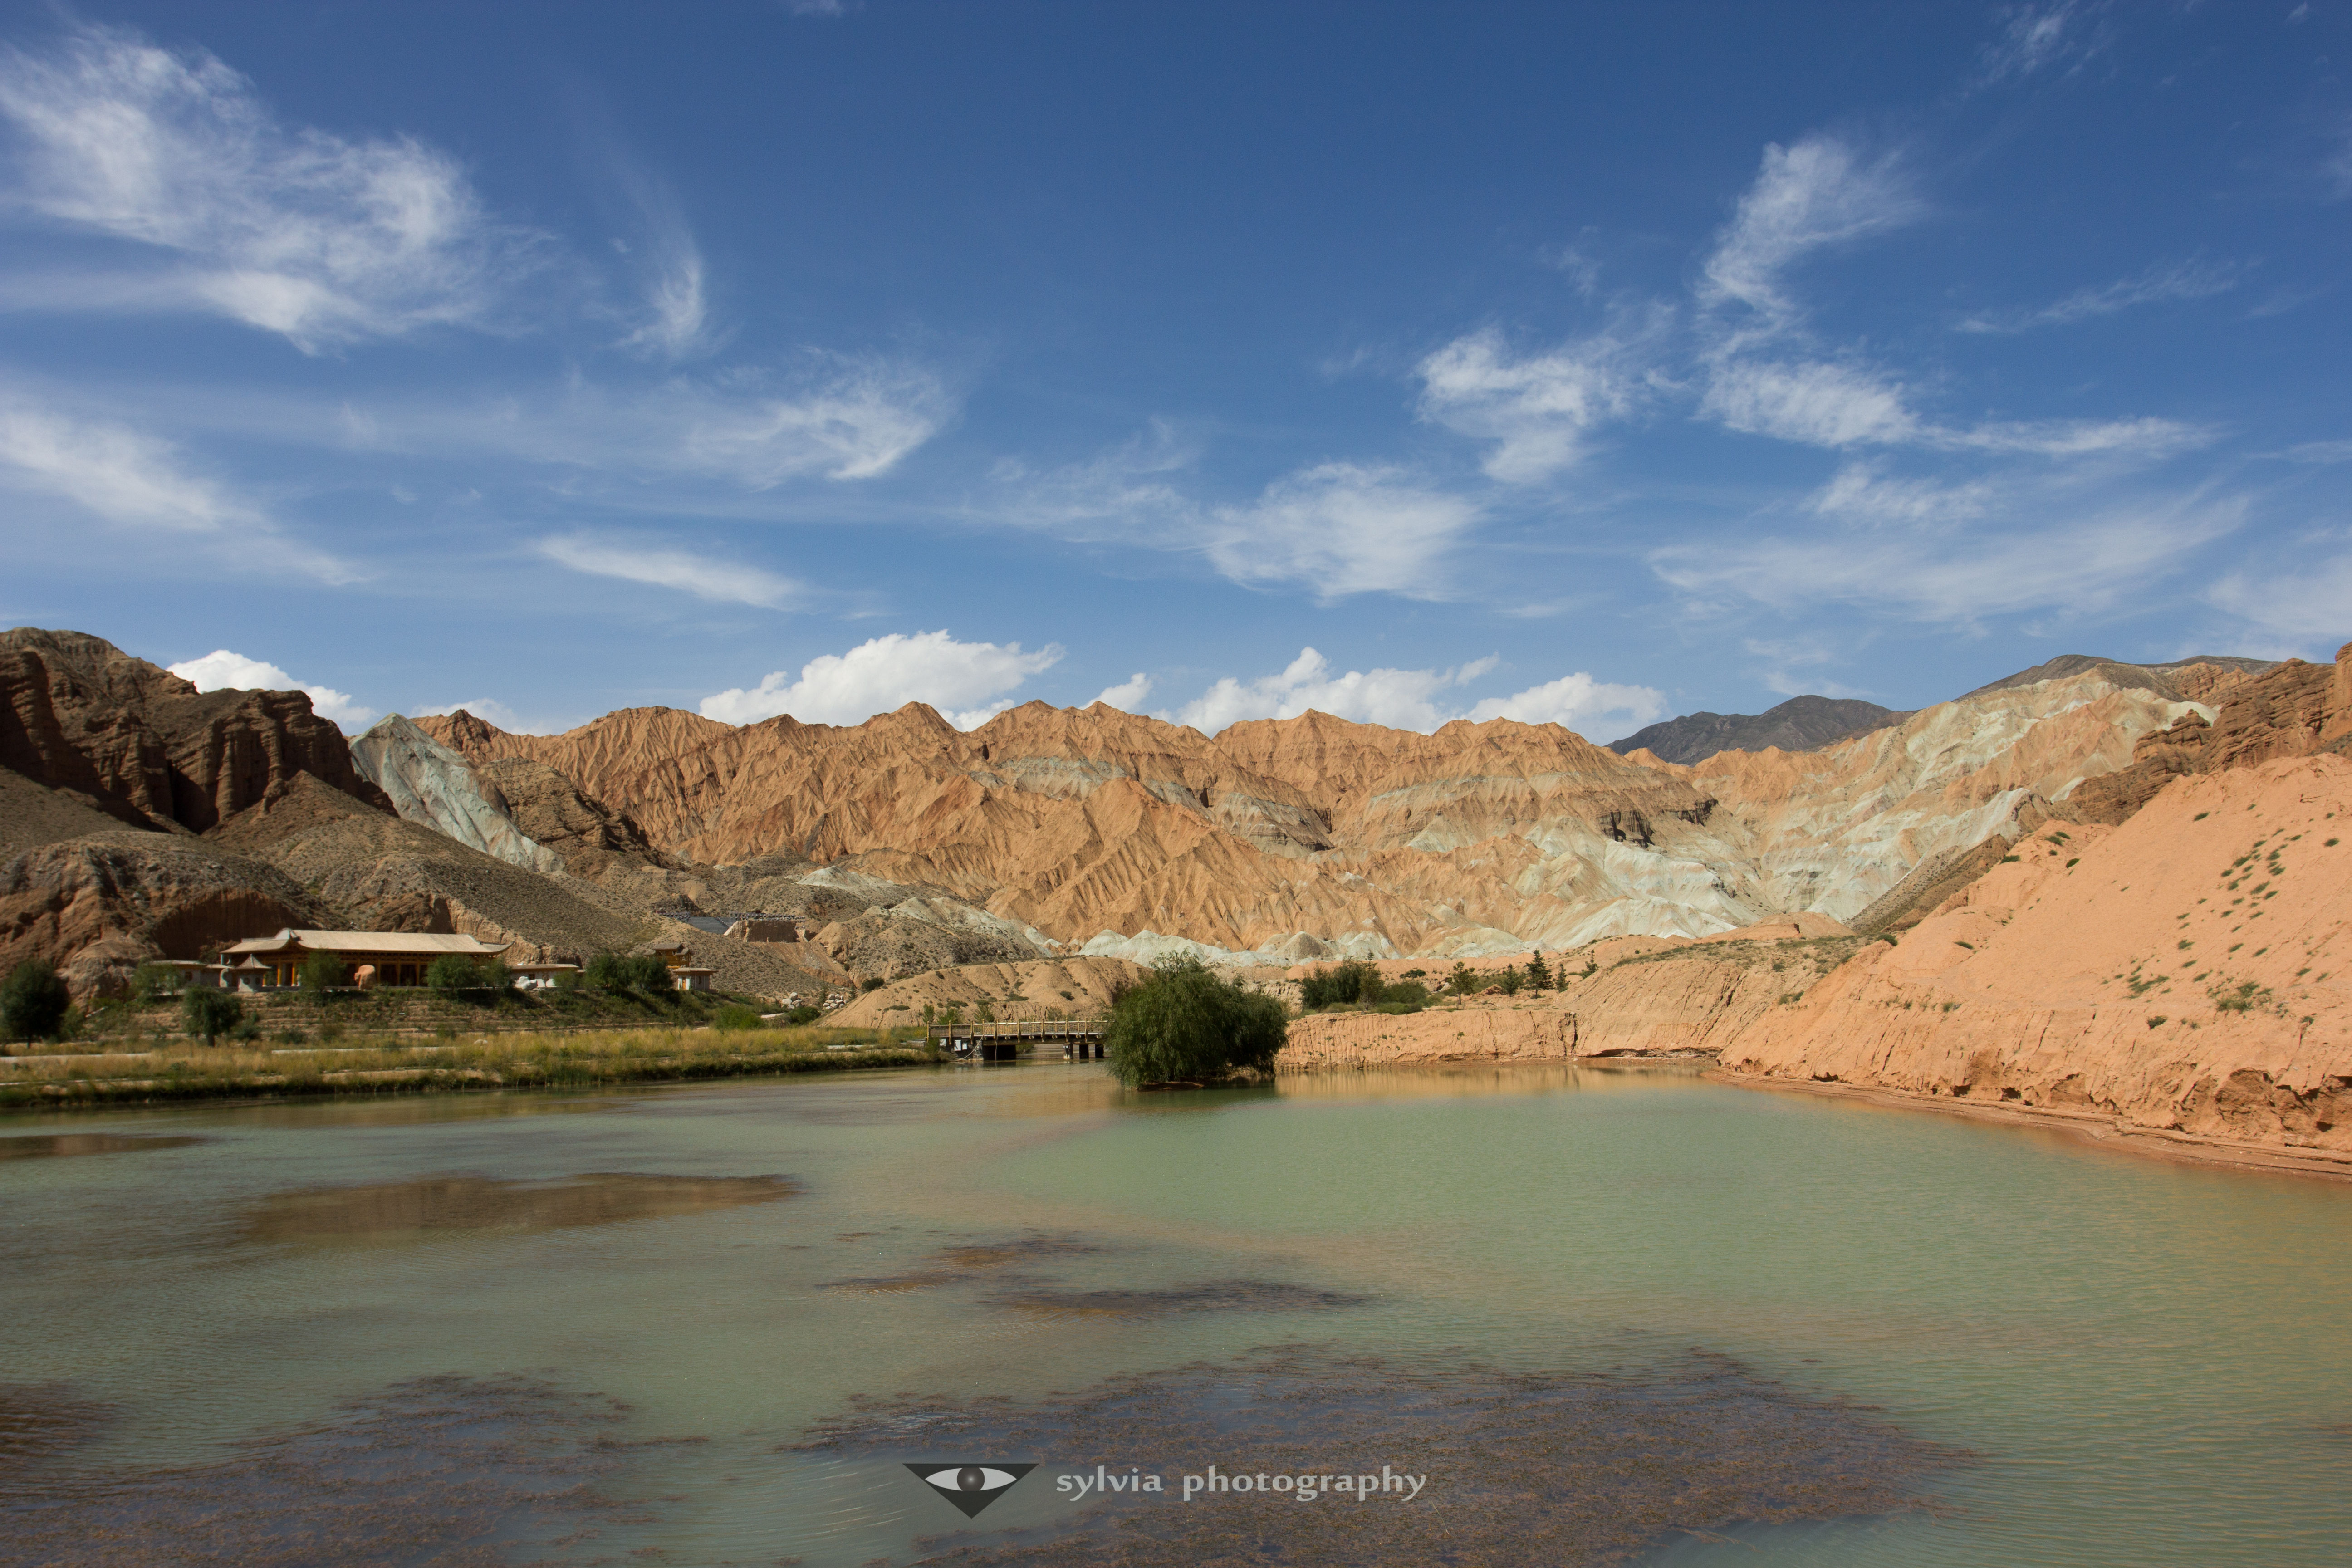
point(1799, 724)
point(552, 810)
point(2290, 710)
point(429, 784)
point(79, 714)
point(2200, 678)
point(2186, 974)
point(99, 907)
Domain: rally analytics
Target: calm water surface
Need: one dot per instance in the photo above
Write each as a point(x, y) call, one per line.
point(2148, 1361)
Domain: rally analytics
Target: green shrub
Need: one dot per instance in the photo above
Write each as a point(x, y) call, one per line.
point(1463, 981)
point(1508, 982)
point(1184, 1025)
point(872, 983)
point(292, 1037)
point(1358, 983)
point(646, 972)
point(604, 972)
point(154, 982)
point(33, 1001)
point(803, 1014)
point(454, 975)
point(209, 1012)
point(735, 1016)
point(325, 971)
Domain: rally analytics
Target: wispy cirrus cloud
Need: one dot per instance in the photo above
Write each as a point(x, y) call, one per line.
point(705, 577)
point(959, 679)
point(2021, 552)
point(1335, 529)
point(2043, 36)
point(320, 238)
point(2159, 284)
point(1811, 195)
point(1538, 409)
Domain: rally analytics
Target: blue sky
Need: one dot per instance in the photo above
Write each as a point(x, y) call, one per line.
point(1585, 363)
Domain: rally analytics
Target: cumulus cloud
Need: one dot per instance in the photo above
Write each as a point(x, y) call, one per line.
point(2156, 285)
point(223, 670)
point(1538, 409)
point(1129, 694)
point(1342, 529)
point(1814, 194)
point(721, 582)
point(1400, 698)
point(1416, 699)
point(1593, 708)
point(959, 679)
point(298, 232)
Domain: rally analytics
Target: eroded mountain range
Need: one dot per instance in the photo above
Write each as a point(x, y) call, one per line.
point(145, 819)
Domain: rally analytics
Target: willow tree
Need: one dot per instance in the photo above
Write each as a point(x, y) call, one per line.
point(1185, 1024)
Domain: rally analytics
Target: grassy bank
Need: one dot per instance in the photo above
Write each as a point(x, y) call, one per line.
point(187, 1072)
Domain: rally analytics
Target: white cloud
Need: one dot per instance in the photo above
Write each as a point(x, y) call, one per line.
point(722, 581)
point(2322, 452)
point(304, 233)
point(1129, 694)
point(886, 673)
point(1861, 493)
point(1538, 409)
point(1341, 529)
point(677, 315)
point(2078, 438)
point(2308, 609)
point(1807, 197)
point(1412, 698)
point(223, 670)
point(1948, 574)
point(1819, 404)
point(1580, 703)
point(1400, 698)
point(2156, 285)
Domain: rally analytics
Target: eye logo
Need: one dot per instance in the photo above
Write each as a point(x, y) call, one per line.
point(970, 1486)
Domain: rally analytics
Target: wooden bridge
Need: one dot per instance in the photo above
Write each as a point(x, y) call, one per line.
point(1079, 1040)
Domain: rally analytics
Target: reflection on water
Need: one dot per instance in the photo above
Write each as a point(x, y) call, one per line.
point(37, 1145)
point(445, 1470)
point(36, 1423)
point(478, 1203)
point(1517, 1468)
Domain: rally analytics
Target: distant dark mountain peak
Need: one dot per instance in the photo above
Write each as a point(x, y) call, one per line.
point(1799, 724)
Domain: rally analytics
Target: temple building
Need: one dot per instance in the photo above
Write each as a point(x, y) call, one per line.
point(373, 957)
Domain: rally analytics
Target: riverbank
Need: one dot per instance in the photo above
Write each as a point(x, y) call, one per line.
point(180, 1073)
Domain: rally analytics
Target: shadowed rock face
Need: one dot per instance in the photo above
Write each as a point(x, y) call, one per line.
point(1799, 724)
point(78, 713)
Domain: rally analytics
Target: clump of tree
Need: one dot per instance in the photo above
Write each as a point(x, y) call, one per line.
point(1539, 974)
point(644, 972)
point(872, 983)
point(1359, 984)
point(454, 975)
point(1184, 1025)
point(153, 982)
point(208, 1013)
point(34, 1002)
point(325, 971)
point(1463, 981)
point(735, 1015)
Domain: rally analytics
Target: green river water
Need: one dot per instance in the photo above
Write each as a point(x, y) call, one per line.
point(207, 1339)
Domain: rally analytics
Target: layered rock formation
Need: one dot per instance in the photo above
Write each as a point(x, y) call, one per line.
point(79, 715)
point(1799, 724)
point(1100, 828)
